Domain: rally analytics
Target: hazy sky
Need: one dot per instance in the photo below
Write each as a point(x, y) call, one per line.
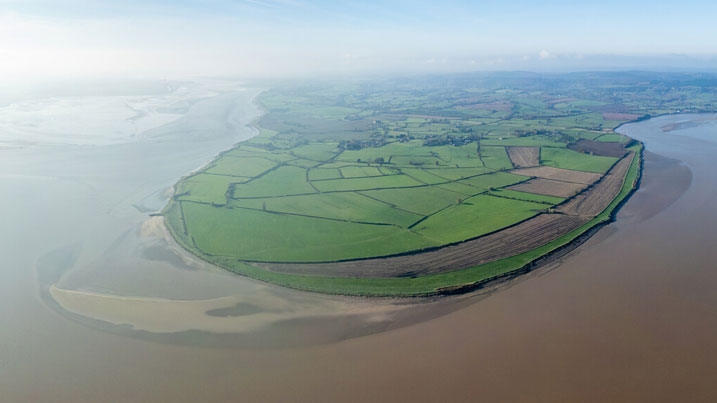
point(169, 38)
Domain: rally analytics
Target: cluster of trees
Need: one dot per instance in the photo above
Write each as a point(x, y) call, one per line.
point(356, 144)
point(532, 132)
point(450, 139)
point(555, 135)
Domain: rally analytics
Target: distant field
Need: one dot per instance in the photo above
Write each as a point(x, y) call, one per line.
point(548, 187)
point(240, 166)
point(611, 138)
point(558, 174)
point(206, 188)
point(568, 159)
point(523, 157)
point(396, 174)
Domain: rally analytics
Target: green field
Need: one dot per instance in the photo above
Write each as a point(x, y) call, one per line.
point(346, 206)
point(476, 216)
point(396, 172)
point(206, 188)
point(611, 138)
point(285, 180)
point(240, 166)
point(495, 158)
point(568, 159)
point(256, 235)
point(420, 200)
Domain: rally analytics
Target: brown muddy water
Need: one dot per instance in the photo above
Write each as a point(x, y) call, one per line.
point(98, 306)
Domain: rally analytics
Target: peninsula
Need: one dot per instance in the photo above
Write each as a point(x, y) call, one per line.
point(412, 187)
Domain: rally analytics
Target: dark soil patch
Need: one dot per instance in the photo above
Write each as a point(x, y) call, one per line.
point(599, 148)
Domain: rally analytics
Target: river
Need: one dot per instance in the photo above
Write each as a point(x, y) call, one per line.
point(97, 305)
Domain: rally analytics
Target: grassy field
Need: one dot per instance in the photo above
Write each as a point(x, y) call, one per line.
point(420, 200)
point(568, 159)
point(285, 180)
point(495, 158)
point(257, 235)
point(334, 176)
point(206, 188)
point(475, 216)
point(346, 206)
point(611, 138)
point(240, 166)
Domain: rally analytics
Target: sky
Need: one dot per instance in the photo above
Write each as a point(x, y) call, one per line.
point(277, 38)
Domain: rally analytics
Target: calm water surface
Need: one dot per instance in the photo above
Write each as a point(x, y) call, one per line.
point(98, 306)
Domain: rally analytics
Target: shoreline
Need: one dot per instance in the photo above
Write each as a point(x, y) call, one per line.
point(252, 126)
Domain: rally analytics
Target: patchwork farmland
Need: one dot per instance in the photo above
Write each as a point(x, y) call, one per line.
point(343, 199)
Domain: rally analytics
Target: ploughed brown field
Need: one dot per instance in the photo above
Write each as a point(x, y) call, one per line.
point(559, 174)
point(523, 157)
point(552, 181)
point(549, 187)
point(522, 237)
point(594, 201)
point(598, 148)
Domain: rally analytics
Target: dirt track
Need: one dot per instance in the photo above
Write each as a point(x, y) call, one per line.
point(511, 241)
